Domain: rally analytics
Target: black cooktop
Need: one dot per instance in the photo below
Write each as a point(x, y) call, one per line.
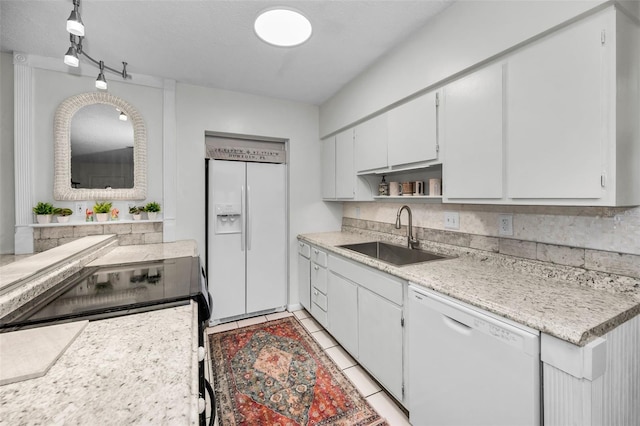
point(107, 291)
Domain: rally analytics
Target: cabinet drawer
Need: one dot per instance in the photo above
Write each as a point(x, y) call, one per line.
point(378, 282)
point(319, 315)
point(304, 249)
point(319, 299)
point(319, 256)
point(319, 277)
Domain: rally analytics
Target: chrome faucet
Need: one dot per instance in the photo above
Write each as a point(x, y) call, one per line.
point(412, 243)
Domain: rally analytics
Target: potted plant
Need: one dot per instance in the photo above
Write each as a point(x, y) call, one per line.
point(136, 212)
point(43, 212)
point(62, 214)
point(152, 208)
point(102, 209)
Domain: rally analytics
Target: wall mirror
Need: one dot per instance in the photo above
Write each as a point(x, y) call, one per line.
point(100, 149)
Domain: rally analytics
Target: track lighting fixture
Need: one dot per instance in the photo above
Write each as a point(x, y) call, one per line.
point(72, 57)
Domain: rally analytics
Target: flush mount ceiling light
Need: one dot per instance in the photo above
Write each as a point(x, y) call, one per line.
point(282, 27)
point(72, 57)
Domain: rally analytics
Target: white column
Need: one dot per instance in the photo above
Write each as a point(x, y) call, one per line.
point(23, 152)
point(169, 162)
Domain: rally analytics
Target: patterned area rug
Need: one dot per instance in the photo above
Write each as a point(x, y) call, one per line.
point(275, 373)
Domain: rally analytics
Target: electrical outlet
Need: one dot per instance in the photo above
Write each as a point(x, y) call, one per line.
point(80, 209)
point(505, 224)
point(452, 220)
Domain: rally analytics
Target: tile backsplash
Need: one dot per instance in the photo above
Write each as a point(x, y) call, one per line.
point(593, 238)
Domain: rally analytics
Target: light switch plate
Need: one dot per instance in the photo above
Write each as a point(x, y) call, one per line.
point(80, 209)
point(505, 224)
point(452, 220)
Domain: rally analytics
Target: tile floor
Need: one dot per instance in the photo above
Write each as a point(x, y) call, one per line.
point(369, 388)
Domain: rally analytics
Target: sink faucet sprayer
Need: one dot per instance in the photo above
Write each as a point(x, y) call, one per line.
point(412, 243)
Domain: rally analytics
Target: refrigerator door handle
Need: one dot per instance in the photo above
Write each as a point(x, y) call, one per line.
point(249, 218)
point(243, 216)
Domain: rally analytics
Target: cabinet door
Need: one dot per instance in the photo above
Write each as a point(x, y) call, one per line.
point(342, 312)
point(412, 131)
point(345, 173)
point(472, 136)
point(380, 340)
point(329, 168)
point(304, 281)
point(555, 103)
point(371, 144)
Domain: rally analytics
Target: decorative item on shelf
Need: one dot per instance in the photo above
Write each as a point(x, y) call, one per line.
point(407, 189)
point(435, 187)
point(101, 210)
point(418, 188)
point(114, 213)
point(43, 212)
point(88, 215)
point(395, 189)
point(136, 212)
point(383, 187)
point(152, 208)
point(75, 27)
point(62, 214)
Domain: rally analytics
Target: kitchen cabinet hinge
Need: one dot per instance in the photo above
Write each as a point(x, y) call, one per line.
point(403, 391)
point(603, 180)
point(402, 321)
point(603, 37)
point(437, 99)
point(437, 147)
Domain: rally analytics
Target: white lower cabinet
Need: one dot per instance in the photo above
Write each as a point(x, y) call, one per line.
point(304, 274)
point(380, 341)
point(365, 313)
point(343, 312)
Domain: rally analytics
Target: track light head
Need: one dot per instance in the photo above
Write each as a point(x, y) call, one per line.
point(71, 57)
point(74, 22)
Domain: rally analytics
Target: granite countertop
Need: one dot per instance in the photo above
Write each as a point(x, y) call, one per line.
point(564, 302)
point(134, 369)
point(148, 252)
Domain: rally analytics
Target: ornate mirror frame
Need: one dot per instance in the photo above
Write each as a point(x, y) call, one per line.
point(62, 189)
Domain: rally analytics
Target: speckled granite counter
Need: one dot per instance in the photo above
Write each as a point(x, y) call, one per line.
point(564, 302)
point(135, 369)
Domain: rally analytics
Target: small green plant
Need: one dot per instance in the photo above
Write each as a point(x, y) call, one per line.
point(62, 211)
point(43, 208)
point(136, 209)
point(152, 207)
point(104, 207)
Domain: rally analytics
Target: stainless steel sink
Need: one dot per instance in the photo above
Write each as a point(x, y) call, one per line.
point(391, 253)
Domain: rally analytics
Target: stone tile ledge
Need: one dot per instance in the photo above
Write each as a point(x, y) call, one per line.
point(564, 303)
point(42, 271)
point(31, 266)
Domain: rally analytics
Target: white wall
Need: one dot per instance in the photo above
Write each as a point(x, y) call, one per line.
point(200, 109)
point(7, 190)
point(463, 35)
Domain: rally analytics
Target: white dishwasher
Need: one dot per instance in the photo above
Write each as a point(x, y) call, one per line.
point(468, 367)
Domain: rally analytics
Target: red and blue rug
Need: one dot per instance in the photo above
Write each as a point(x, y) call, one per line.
point(275, 373)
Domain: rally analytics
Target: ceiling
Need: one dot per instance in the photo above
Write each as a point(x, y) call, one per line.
point(211, 43)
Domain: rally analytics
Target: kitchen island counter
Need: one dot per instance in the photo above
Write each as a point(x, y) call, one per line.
point(571, 304)
point(134, 369)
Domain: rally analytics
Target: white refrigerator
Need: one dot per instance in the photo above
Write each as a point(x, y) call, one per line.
point(247, 237)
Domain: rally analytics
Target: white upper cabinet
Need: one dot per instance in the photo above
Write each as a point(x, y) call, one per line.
point(345, 173)
point(371, 144)
point(412, 132)
point(557, 103)
point(329, 168)
point(472, 136)
point(338, 174)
